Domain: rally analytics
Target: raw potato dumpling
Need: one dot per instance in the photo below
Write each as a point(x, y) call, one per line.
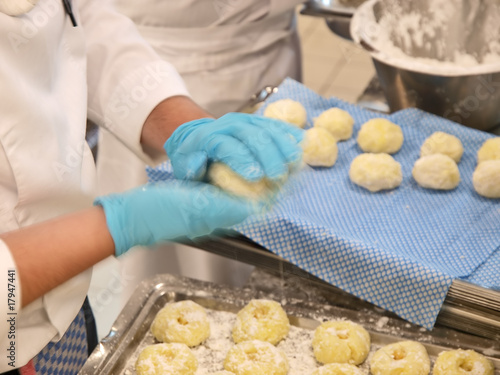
point(486, 179)
point(287, 110)
point(222, 176)
point(341, 341)
point(256, 358)
point(443, 143)
point(182, 322)
point(166, 359)
point(401, 358)
point(436, 171)
point(490, 150)
point(376, 172)
point(462, 362)
point(337, 121)
point(337, 369)
point(379, 135)
point(263, 320)
point(319, 148)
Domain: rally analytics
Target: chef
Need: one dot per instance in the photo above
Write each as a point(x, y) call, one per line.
point(62, 63)
point(225, 51)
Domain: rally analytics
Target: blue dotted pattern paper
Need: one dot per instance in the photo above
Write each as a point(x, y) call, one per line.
point(398, 249)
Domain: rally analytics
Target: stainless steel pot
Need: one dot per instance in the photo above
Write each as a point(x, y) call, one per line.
point(470, 96)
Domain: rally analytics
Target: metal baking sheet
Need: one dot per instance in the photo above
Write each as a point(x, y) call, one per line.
point(117, 352)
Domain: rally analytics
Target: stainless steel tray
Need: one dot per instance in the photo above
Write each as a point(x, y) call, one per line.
point(117, 352)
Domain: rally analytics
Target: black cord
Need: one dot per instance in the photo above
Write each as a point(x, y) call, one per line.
point(69, 11)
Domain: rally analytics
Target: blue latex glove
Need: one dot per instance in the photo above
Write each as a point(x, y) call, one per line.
point(168, 210)
point(252, 146)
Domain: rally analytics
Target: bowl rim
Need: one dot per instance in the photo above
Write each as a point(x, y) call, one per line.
point(364, 17)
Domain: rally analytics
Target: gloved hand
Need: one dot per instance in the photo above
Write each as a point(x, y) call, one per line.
point(252, 146)
point(164, 211)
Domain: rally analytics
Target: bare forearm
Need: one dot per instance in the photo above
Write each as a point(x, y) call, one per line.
point(168, 116)
point(50, 253)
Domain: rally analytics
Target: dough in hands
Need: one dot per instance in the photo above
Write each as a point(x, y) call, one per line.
point(379, 135)
point(256, 358)
point(486, 179)
point(319, 148)
point(263, 320)
point(490, 150)
point(166, 359)
point(338, 369)
point(462, 362)
point(401, 358)
point(376, 172)
point(287, 110)
point(443, 143)
point(337, 121)
point(181, 322)
point(341, 341)
point(437, 171)
point(222, 176)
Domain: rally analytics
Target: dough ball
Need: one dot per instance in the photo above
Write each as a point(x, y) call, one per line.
point(319, 148)
point(486, 179)
point(262, 320)
point(256, 358)
point(287, 110)
point(337, 369)
point(376, 172)
point(401, 358)
point(337, 121)
point(222, 176)
point(490, 150)
point(166, 359)
point(341, 341)
point(443, 143)
point(183, 322)
point(437, 171)
point(380, 135)
point(462, 362)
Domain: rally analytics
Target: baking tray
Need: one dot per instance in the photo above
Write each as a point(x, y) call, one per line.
point(117, 352)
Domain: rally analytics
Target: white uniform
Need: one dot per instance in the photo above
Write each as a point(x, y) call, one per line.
point(225, 50)
point(46, 167)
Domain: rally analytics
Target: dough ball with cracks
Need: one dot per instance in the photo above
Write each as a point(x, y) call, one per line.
point(287, 110)
point(319, 148)
point(376, 172)
point(490, 150)
point(379, 135)
point(337, 121)
point(486, 179)
point(443, 143)
point(438, 171)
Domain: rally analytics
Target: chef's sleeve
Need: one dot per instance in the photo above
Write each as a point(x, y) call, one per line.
point(10, 302)
point(126, 78)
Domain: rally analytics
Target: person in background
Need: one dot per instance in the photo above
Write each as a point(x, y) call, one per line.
point(61, 65)
point(225, 51)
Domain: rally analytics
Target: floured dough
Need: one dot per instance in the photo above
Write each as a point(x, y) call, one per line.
point(222, 176)
point(443, 143)
point(375, 172)
point(380, 135)
point(287, 110)
point(223, 373)
point(319, 148)
point(337, 121)
point(436, 171)
point(462, 362)
point(401, 358)
point(341, 341)
point(337, 369)
point(256, 358)
point(263, 320)
point(182, 322)
point(166, 359)
point(490, 150)
point(486, 179)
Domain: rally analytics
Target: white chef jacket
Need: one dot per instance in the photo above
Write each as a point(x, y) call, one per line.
point(53, 76)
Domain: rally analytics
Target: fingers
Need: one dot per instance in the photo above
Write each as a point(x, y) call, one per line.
point(190, 166)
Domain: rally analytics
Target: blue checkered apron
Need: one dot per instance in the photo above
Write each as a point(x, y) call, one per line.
point(64, 357)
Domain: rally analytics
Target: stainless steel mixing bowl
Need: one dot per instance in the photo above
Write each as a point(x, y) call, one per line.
point(470, 96)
